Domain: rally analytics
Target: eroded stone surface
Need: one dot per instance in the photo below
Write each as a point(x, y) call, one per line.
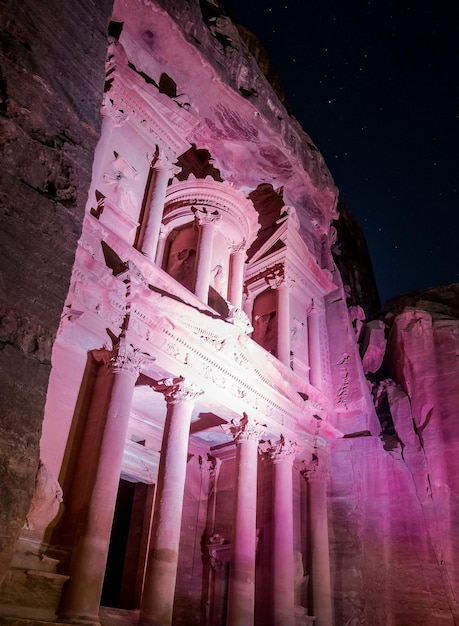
point(51, 76)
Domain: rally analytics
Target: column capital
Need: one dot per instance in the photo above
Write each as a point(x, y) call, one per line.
point(246, 429)
point(205, 217)
point(281, 450)
point(164, 231)
point(126, 358)
point(237, 246)
point(314, 471)
point(177, 390)
point(162, 162)
point(313, 307)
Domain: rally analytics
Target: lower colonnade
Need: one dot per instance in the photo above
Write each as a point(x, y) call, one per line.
point(286, 460)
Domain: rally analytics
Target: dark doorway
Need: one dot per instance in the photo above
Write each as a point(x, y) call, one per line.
point(128, 543)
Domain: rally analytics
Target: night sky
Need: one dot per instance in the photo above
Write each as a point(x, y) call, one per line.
point(376, 86)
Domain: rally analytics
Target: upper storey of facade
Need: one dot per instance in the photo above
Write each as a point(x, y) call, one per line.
point(206, 244)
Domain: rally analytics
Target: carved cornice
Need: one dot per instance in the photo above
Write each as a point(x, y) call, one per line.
point(206, 217)
point(238, 214)
point(210, 352)
point(170, 124)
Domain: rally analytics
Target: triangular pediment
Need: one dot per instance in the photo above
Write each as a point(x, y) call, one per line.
point(276, 242)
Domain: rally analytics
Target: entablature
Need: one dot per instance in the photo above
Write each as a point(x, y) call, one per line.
point(239, 221)
point(156, 115)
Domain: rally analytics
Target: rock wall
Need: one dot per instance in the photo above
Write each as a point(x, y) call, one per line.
point(351, 255)
point(51, 82)
point(394, 501)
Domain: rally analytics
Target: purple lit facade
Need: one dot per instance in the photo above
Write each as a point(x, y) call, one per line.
point(211, 451)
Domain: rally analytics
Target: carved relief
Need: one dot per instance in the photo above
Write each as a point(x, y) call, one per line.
point(182, 255)
point(313, 470)
point(281, 450)
point(246, 429)
point(265, 321)
point(46, 500)
point(126, 358)
point(177, 390)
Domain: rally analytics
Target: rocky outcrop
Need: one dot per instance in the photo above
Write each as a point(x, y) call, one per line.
point(352, 258)
point(394, 499)
point(51, 81)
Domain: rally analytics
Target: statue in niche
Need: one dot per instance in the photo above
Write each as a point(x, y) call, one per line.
point(217, 278)
point(121, 178)
point(265, 321)
point(46, 500)
point(181, 259)
point(301, 580)
point(265, 331)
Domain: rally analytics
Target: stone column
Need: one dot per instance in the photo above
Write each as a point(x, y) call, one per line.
point(207, 222)
point(283, 563)
point(241, 588)
point(315, 365)
point(89, 556)
point(162, 237)
point(236, 286)
point(159, 586)
point(156, 199)
point(282, 286)
point(316, 475)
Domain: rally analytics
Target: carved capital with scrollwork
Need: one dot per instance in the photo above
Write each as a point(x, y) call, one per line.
point(237, 246)
point(126, 358)
point(246, 429)
point(281, 450)
point(178, 390)
point(163, 162)
point(314, 471)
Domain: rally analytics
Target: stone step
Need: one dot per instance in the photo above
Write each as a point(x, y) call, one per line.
point(107, 616)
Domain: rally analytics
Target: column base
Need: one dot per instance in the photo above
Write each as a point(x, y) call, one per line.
point(302, 618)
point(69, 617)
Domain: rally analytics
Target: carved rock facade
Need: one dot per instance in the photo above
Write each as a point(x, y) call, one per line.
point(206, 381)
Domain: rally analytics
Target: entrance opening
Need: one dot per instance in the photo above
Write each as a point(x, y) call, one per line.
point(128, 544)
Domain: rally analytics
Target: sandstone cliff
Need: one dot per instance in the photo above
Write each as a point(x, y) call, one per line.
point(51, 79)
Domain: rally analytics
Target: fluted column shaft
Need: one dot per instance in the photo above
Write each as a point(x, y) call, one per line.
point(160, 578)
point(155, 211)
point(89, 555)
